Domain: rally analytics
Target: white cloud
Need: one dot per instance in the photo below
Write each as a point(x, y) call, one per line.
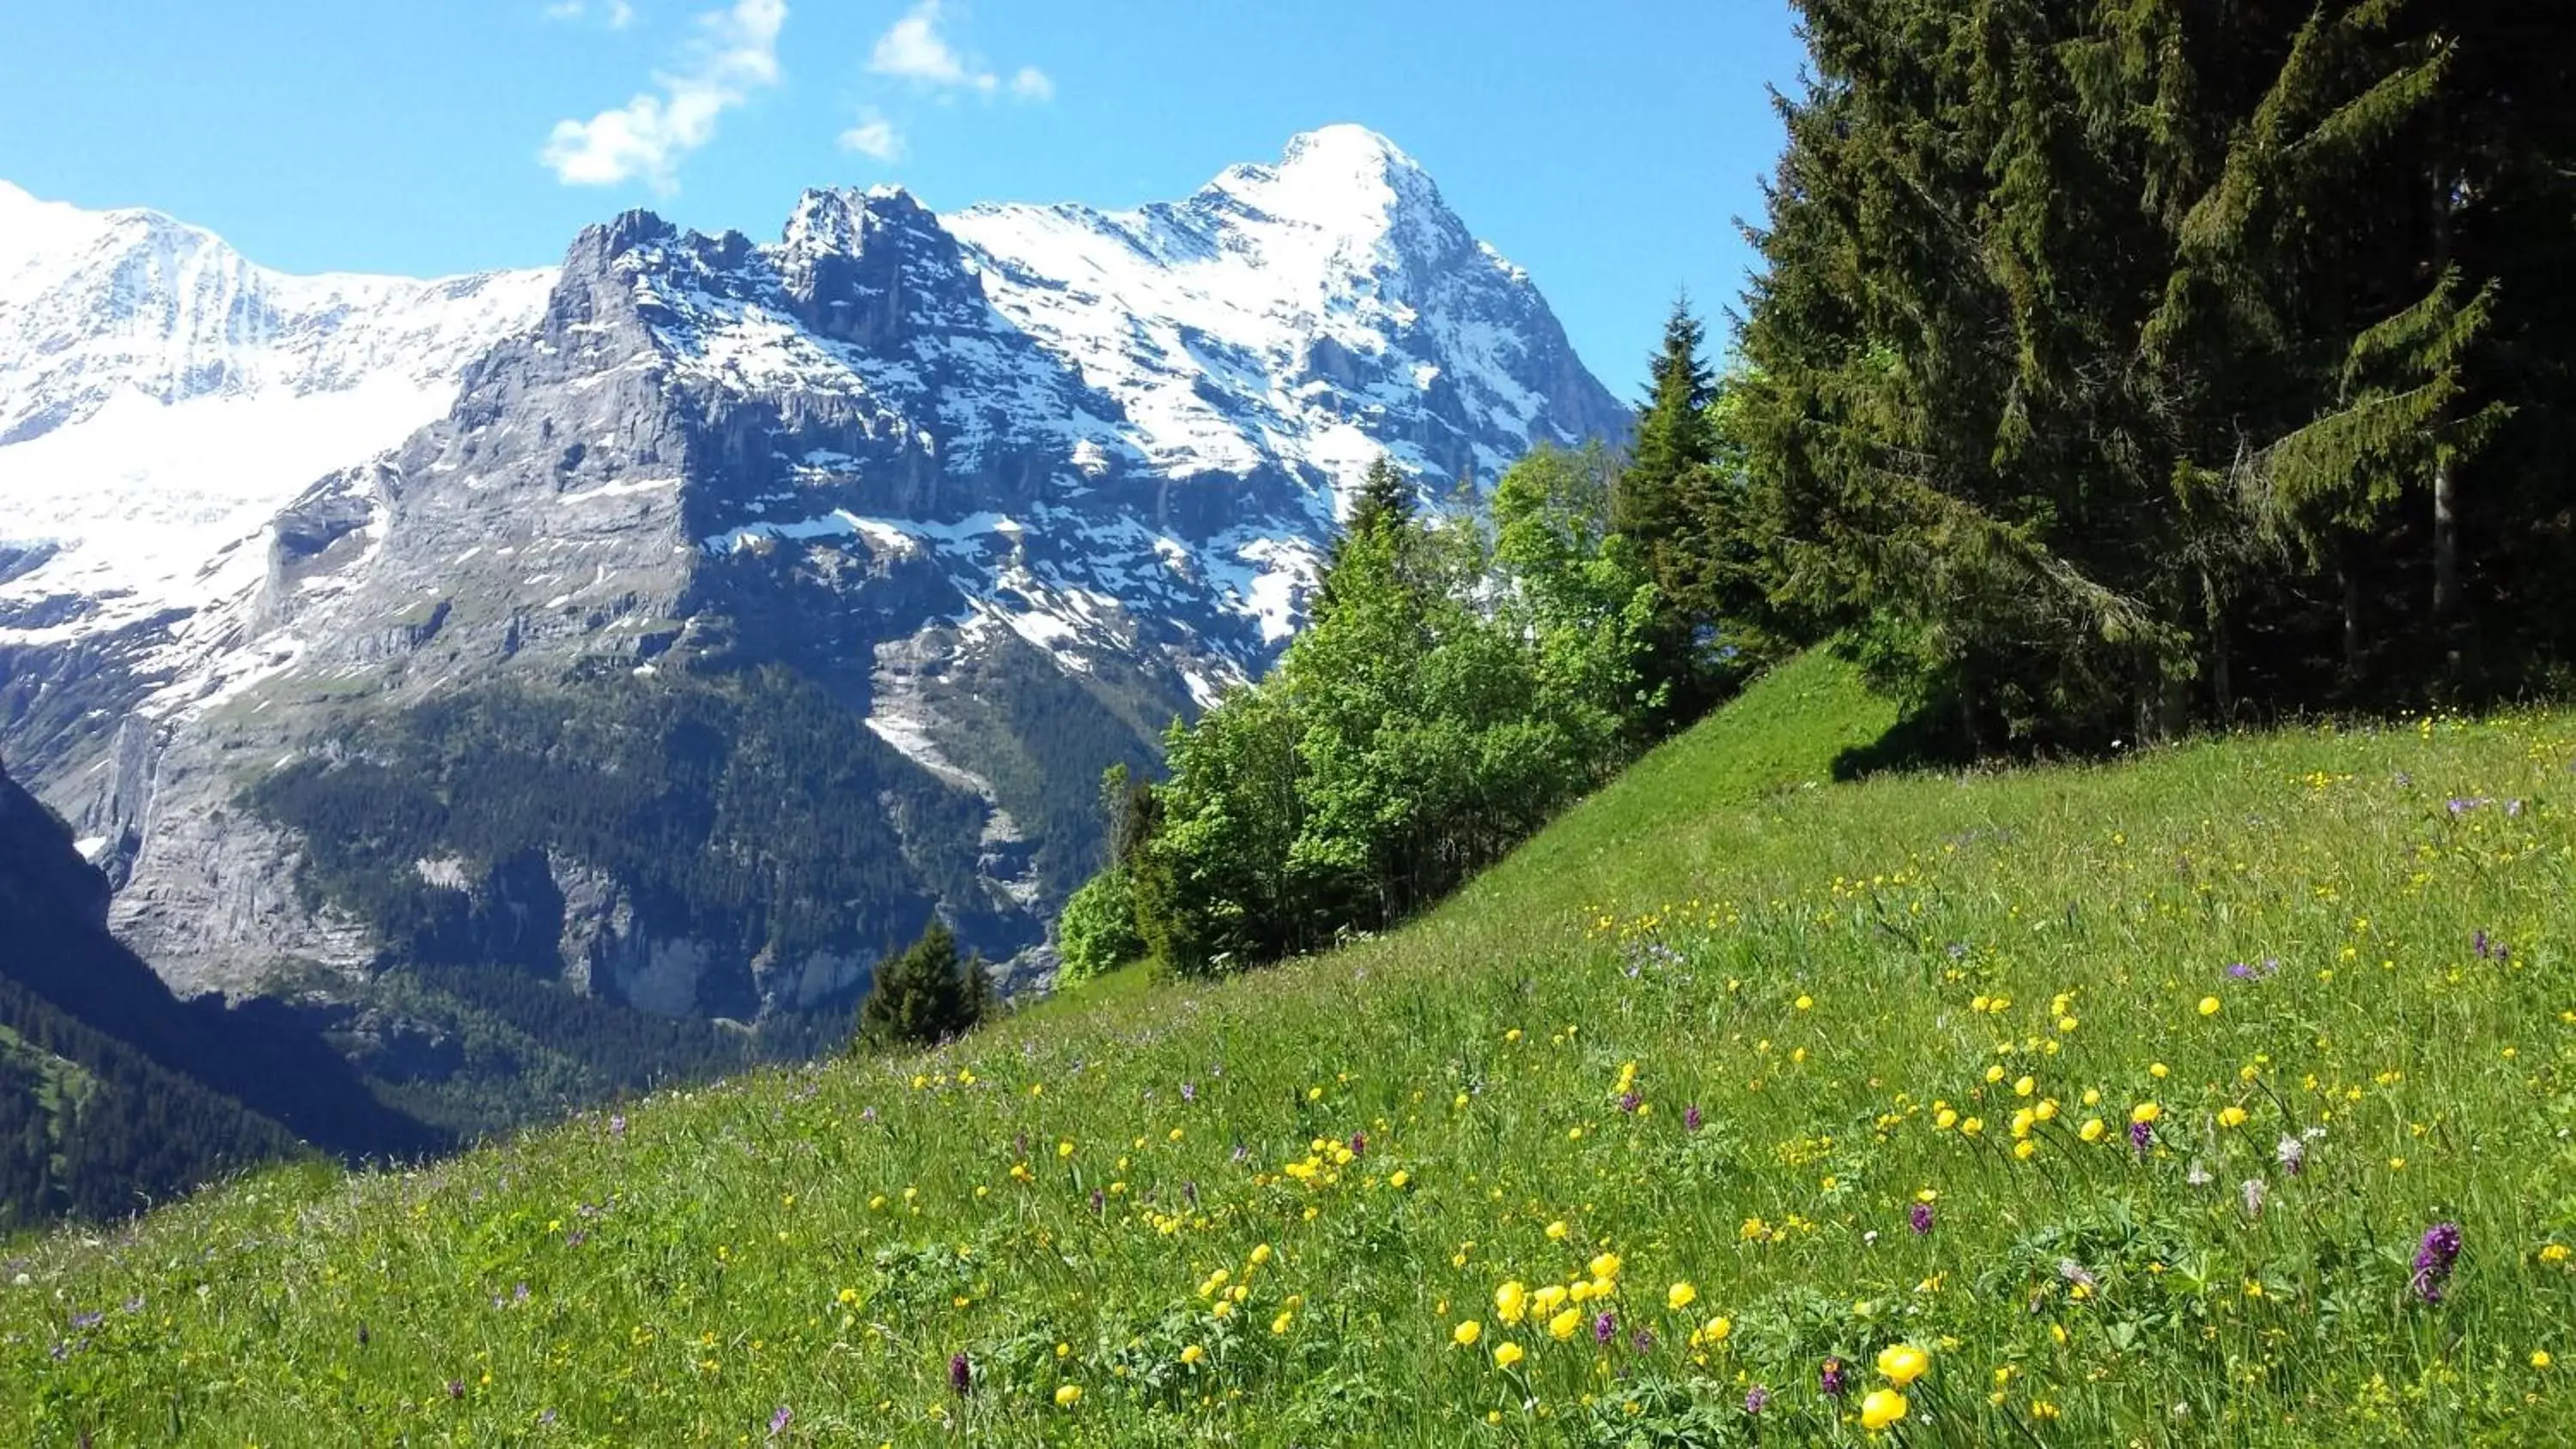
point(615, 14)
point(874, 136)
point(914, 50)
point(735, 57)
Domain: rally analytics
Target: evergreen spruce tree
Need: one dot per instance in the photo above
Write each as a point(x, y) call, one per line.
point(924, 994)
point(1658, 503)
point(1673, 433)
point(1385, 501)
point(1384, 511)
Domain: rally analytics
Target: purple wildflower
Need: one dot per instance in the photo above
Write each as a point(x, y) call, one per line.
point(2292, 1154)
point(519, 1294)
point(2255, 1192)
point(2242, 971)
point(1920, 1215)
point(1754, 1398)
point(1241, 1152)
point(778, 1421)
point(1628, 1101)
point(2434, 1259)
point(87, 1321)
point(1359, 1144)
point(1099, 1203)
point(1690, 1118)
point(1605, 1327)
point(576, 1238)
point(617, 1125)
point(961, 1374)
point(1643, 1341)
point(1829, 1378)
point(456, 1388)
point(1189, 1091)
point(868, 1113)
point(2140, 1137)
point(548, 1418)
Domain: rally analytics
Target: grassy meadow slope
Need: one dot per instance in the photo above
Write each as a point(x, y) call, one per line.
point(2126, 1094)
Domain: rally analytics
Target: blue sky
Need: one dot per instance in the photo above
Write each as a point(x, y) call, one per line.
point(1607, 147)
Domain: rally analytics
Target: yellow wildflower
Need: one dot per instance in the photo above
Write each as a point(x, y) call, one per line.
point(1903, 1363)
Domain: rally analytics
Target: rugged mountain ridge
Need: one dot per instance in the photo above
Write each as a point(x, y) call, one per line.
point(871, 546)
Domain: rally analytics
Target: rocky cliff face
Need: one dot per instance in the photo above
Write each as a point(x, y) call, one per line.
point(878, 541)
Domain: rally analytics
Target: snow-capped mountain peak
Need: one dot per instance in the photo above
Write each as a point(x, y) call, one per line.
point(1324, 298)
point(1347, 182)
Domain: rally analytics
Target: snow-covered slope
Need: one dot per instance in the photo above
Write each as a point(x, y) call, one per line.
point(160, 396)
point(1317, 312)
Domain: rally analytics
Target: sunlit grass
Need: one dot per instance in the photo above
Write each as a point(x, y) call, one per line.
point(1826, 973)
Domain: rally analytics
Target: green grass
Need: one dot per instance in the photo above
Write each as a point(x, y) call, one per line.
point(1822, 970)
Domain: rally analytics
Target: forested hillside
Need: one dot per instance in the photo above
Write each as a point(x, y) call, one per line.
point(114, 1095)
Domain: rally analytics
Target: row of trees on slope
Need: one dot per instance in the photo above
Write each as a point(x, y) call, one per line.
point(1461, 679)
point(2134, 364)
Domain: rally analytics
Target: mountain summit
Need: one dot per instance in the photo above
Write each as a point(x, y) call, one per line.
point(738, 606)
